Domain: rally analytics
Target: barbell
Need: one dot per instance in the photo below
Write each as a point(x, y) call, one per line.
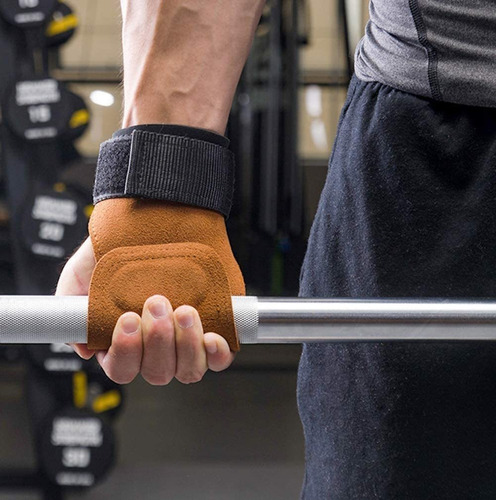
point(49, 319)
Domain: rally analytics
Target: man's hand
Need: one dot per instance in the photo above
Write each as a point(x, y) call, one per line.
point(162, 344)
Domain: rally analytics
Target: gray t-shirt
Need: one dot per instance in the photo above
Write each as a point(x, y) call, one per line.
point(442, 49)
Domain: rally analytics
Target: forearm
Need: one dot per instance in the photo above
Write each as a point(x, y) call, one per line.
point(183, 59)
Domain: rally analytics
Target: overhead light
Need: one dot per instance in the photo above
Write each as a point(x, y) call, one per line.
point(102, 98)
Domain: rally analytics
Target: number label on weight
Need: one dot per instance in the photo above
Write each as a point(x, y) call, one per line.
point(39, 114)
point(76, 457)
point(28, 4)
point(51, 231)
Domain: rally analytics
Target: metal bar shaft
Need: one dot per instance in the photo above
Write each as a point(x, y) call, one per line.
point(305, 320)
point(47, 319)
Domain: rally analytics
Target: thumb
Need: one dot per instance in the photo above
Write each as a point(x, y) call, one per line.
point(76, 275)
point(75, 280)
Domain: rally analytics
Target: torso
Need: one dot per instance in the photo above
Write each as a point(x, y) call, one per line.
point(441, 49)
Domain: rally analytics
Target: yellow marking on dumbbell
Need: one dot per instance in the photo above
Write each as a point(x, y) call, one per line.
point(78, 118)
point(88, 210)
point(107, 401)
point(80, 389)
point(60, 25)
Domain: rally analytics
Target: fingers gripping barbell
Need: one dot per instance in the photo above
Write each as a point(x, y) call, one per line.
point(47, 319)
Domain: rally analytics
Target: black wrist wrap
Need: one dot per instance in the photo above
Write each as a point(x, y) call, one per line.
point(166, 167)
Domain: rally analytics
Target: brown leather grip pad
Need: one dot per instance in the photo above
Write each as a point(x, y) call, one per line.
point(186, 273)
point(144, 248)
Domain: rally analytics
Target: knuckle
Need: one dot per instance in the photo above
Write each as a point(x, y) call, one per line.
point(160, 329)
point(118, 352)
point(125, 348)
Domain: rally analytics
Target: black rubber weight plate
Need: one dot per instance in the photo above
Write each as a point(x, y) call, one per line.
point(76, 448)
point(38, 109)
point(53, 224)
point(27, 13)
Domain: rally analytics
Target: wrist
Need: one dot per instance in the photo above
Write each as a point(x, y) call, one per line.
point(178, 110)
point(177, 130)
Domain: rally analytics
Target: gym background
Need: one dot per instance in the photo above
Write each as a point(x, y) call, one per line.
point(65, 430)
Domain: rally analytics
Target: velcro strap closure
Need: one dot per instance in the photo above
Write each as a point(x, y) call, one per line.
point(166, 167)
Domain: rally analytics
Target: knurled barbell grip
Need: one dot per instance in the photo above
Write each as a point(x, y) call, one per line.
point(48, 319)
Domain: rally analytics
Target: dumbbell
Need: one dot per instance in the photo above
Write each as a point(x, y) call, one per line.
point(27, 14)
point(70, 417)
point(41, 109)
point(75, 446)
point(48, 319)
point(54, 221)
point(56, 18)
point(75, 381)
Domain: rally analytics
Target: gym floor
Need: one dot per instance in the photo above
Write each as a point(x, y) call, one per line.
point(235, 435)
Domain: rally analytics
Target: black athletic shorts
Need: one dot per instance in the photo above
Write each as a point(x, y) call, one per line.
point(408, 210)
